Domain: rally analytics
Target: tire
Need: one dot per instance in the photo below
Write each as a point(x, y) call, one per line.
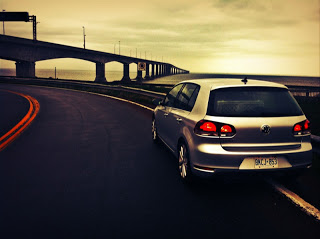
point(154, 131)
point(184, 163)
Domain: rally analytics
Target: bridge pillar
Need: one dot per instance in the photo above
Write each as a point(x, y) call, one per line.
point(147, 77)
point(139, 76)
point(126, 77)
point(100, 72)
point(25, 69)
point(157, 70)
point(168, 69)
point(152, 70)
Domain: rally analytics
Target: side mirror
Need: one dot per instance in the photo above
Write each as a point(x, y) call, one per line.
point(157, 101)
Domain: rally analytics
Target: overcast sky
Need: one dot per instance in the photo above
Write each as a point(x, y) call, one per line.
point(216, 36)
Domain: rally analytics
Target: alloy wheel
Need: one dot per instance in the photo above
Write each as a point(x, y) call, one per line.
point(183, 161)
point(154, 131)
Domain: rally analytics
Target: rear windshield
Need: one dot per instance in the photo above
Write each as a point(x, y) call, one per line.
point(252, 102)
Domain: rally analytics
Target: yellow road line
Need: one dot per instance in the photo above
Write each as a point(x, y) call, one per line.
point(12, 134)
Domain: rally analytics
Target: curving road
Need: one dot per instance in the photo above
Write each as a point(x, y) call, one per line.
point(11, 113)
point(86, 168)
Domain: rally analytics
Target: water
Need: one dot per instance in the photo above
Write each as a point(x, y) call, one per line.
point(89, 75)
point(286, 80)
point(85, 75)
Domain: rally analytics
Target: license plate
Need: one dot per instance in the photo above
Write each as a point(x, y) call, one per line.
point(270, 162)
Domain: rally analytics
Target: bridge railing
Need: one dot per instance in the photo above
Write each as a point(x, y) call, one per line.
point(304, 91)
point(101, 88)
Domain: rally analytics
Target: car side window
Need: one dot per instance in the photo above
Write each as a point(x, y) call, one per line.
point(187, 97)
point(171, 96)
point(193, 98)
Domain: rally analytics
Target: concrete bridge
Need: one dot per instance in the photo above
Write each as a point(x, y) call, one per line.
point(26, 53)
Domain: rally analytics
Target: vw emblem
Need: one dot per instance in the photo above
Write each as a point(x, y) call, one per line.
point(265, 129)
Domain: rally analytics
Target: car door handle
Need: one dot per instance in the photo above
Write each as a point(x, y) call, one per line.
point(165, 114)
point(179, 120)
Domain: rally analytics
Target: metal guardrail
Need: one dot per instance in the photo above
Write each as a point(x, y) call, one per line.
point(300, 91)
point(89, 85)
point(78, 84)
point(305, 91)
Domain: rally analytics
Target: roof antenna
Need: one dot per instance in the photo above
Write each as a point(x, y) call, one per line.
point(245, 81)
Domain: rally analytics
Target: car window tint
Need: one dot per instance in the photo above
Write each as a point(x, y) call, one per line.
point(252, 102)
point(170, 98)
point(185, 96)
point(193, 98)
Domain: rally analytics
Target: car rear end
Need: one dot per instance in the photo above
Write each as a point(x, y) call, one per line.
point(251, 127)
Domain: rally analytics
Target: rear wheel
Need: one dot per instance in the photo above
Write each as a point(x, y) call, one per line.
point(184, 163)
point(155, 137)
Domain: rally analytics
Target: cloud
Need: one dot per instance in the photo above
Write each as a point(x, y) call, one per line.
point(187, 31)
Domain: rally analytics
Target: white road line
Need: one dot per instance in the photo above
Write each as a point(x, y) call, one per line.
point(128, 101)
point(305, 206)
point(93, 93)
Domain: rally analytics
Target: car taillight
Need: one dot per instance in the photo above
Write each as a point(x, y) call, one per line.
point(297, 128)
point(226, 129)
point(209, 128)
point(302, 128)
point(307, 125)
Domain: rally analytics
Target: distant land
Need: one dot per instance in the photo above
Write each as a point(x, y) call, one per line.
point(89, 75)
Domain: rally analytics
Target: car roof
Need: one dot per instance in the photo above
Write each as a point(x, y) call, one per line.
point(216, 83)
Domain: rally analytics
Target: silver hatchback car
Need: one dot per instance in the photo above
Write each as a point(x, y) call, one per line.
point(227, 125)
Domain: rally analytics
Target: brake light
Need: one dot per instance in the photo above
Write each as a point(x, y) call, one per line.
point(306, 124)
point(209, 128)
point(302, 128)
point(297, 128)
point(226, 129)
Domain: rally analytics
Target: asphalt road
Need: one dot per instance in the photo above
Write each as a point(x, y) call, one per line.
point(13, 108)
point(87, 168)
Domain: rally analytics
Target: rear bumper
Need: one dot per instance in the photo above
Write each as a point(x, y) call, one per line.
point(213, 159)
